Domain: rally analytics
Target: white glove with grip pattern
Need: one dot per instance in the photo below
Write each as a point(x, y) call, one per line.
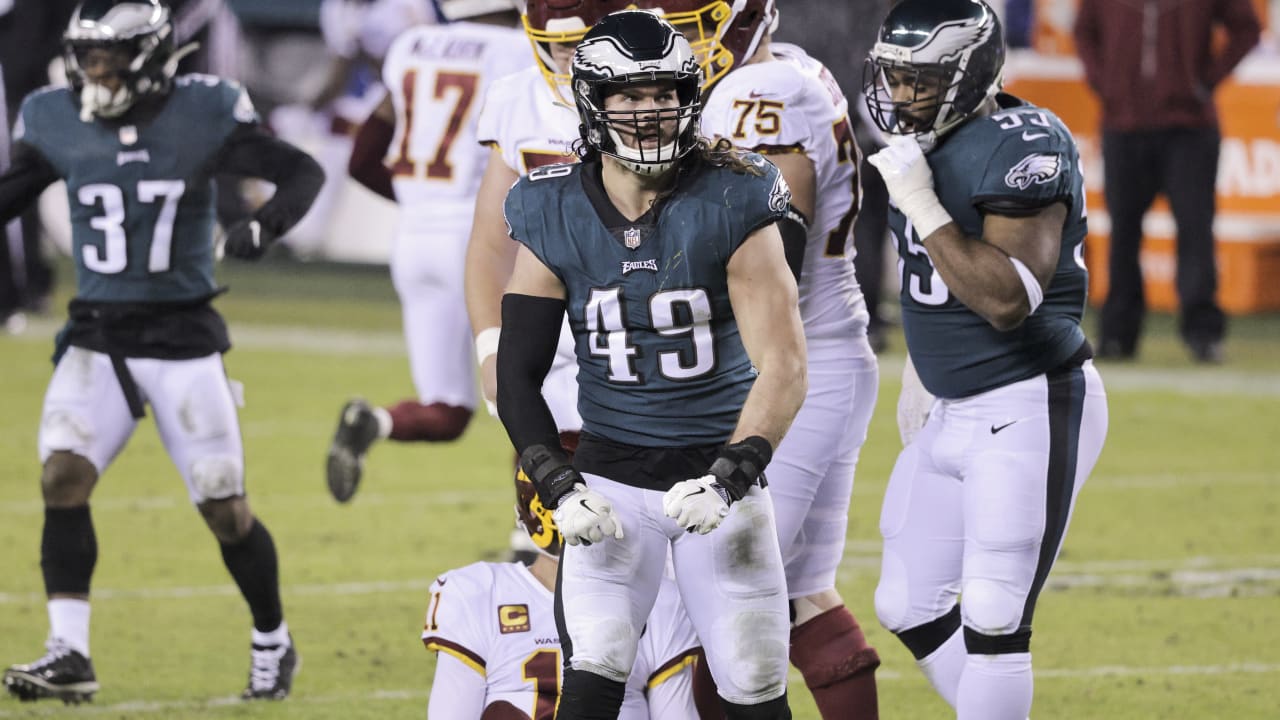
point(914, 404)
point(698, 505)
point(909, 180)
point(585, 516)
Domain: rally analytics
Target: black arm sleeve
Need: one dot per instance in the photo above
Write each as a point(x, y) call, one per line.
point(794, 229)
point(526, 349)
point(251, 152)
point(28, 175)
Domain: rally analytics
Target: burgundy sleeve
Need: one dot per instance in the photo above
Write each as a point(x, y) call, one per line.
point(371, 143)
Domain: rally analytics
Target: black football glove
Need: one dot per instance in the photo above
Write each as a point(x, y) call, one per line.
point(247, 240)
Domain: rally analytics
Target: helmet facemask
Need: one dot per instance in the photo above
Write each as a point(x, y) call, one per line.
point(931, 86)
point(135, 39)
point(637, 84)
point(724, 34)
point(535, 519)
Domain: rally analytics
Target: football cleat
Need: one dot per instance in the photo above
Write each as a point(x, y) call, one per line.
point(62, 673)
point(271, 671)
point(357, 429)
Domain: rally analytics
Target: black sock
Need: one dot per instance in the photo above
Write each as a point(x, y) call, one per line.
point(776, 709)
point(588, 696)
point(68, 550)
point(252, 563)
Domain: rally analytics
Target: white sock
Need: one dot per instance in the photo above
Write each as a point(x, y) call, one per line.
point(996, 687)
point(279, 636)
point(384, 422)
point(944, 666)
point(69, 622)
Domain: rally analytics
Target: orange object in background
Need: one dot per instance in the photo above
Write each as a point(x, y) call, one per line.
point(1247, 227)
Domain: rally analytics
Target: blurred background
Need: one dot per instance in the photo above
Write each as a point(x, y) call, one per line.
point(311, 66)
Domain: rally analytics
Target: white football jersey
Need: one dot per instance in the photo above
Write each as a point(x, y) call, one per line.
point(524, 119)
point(500, 621)
point(437, 76)
point(793, 104)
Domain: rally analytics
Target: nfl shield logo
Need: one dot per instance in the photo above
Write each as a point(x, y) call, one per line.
point(128, 135)
point(631, 238)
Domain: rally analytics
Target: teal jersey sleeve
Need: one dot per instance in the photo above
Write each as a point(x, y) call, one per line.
point(525, 210)
point(1031, 166)
point(756, 200)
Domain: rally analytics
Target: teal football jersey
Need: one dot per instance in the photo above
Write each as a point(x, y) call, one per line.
point(660, 360)
point(141, 195)
point(1022, 157)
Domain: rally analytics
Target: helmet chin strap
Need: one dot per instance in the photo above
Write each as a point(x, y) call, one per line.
point(96, 99)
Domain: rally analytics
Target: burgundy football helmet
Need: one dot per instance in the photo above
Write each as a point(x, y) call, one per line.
point(535, 518)
point(724, 33)
point(563, 22)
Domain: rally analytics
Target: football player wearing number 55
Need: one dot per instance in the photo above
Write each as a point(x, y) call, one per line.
point(989, 217)
point(665, 254)
point(138, 149)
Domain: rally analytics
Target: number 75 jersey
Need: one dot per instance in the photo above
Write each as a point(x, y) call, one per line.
point(1014, 162)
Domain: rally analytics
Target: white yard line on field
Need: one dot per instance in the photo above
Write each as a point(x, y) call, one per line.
point(131, 708)
point(334, 341)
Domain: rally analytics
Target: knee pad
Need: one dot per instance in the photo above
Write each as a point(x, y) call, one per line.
point(217, 477)
point(64, 430)
point(892, 602)
point(831, 648)
point(610, 652)
point(991, 608)
point(65, 476)
point(756, 657)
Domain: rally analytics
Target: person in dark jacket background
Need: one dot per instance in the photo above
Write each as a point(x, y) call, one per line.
point(1154, 66)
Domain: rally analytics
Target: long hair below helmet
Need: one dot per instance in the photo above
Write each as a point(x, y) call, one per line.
point(627, 49)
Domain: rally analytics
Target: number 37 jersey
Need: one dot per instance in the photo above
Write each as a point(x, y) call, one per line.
point(141, 195)
point(1016, 161)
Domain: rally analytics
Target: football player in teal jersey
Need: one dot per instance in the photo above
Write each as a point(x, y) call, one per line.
point(665, 254)
point(989, 218)
point(138, 149)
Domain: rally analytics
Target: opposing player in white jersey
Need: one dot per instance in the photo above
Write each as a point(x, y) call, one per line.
point(526, 122)
point(499, 657)
point(774, 99)
point(419, 149)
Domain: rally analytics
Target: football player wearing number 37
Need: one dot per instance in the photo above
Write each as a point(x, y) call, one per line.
point(691, 367)
point(137, 148)
point(989, 217)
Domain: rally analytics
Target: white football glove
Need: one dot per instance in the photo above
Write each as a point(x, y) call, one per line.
point(914, 404)
point(697, 505)
point(906, 174)
point(584, 516)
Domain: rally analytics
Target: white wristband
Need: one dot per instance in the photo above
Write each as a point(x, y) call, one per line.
point(1035, 294)
point(487, 343)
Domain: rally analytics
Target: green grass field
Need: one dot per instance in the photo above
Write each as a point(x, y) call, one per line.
point(1165, 603)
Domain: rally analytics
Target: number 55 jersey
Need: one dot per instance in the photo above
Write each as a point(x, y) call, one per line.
point(1014, 162)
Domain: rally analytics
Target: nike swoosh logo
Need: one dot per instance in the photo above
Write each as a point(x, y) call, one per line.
point(699, 491)
point(755, 94)
point(995, 429)
point(1029, 136)
point(441, 581)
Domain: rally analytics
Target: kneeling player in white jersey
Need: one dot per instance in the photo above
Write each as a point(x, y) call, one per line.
point(989, 217)
point(774, 99)
point(418, 148)
point(499, 655)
